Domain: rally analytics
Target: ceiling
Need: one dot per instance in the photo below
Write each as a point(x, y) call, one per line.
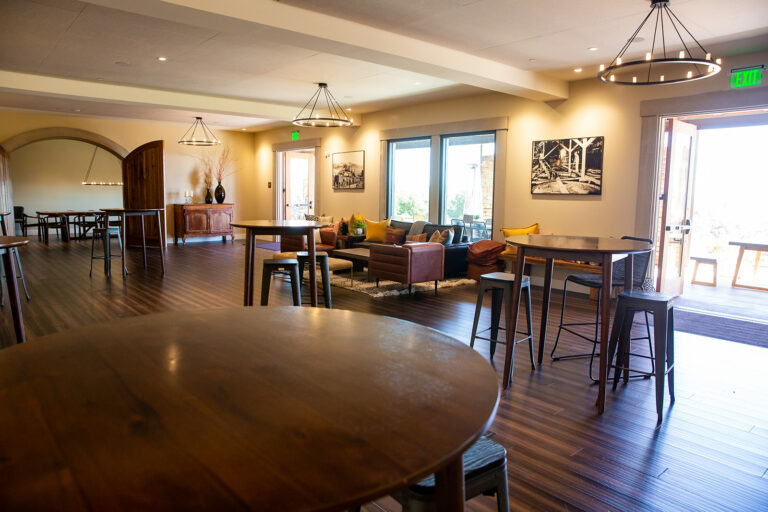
point(252, 63)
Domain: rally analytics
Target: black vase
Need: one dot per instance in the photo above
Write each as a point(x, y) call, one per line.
point(220, 193)
point(208, 196)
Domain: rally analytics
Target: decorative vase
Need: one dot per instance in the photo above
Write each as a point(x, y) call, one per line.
point(220, 193)
point(358, 231)
point(208, 196)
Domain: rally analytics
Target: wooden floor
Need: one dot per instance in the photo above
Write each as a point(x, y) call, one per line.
point(711, 453)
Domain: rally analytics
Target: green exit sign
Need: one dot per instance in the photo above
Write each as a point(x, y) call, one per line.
point(746, 77)
point(295, 135)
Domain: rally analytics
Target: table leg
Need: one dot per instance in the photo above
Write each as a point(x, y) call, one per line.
point(312, 268)
point(143, 240)
point(514, 305)
point(605, 314)
point(757, 264)
point(13, 296)
point(549, 266)
point(124, 236)
point(249, 255)
point(64, 228)
point(449, 486)
point(738, 265)
point(161, 234)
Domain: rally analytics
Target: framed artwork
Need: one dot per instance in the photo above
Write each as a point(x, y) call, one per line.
point(348, 170)
point(568, 166)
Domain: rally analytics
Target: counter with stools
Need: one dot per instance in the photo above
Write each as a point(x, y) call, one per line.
point(289, 265)
point(662, 308)
point(500, 284)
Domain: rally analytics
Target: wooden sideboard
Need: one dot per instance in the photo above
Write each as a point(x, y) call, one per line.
point(192, 220)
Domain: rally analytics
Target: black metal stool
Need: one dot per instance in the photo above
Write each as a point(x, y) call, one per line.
point(270, 266)
point(662, 308)
point(4, 231)
point(485, 472)
point(500, 284)
point(106, 236)
point(322, 259)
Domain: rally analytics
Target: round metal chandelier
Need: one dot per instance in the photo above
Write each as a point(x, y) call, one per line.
point(328, 113)
point(660, 65)
point(199, 135)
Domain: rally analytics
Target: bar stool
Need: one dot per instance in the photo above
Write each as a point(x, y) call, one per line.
point(485, 472)
point(322, 260)
point(500, 284)
point(662, 308)
point(278, 265)
point(15, 250)
point(106, 236)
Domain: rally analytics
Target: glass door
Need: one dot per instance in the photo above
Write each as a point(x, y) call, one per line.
point(298, 181)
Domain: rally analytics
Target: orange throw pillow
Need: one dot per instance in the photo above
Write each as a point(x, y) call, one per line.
point(422, 237)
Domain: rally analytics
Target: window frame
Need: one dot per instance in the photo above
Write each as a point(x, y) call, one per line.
point(390, 148)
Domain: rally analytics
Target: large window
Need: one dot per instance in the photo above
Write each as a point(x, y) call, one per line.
point(467, 176)
point(409, 165)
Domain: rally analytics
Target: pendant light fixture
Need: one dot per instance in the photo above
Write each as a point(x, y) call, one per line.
point(199, 135)
point(322, 110)
point(86, 181)
point(662, 65)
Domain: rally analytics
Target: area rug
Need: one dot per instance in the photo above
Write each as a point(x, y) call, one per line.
point(388, 288)
point(723, 327)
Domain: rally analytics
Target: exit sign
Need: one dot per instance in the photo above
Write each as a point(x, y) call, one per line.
point(746, 77)
point(295, 135)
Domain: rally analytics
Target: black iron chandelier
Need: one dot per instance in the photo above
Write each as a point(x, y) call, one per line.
point(328, 113)
point(199, 135)
point(660, 65)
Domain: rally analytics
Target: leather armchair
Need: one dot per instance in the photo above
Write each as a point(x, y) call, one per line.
point(294, 243)
point(407, 264)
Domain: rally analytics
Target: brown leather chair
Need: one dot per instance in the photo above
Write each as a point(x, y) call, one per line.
point(295, 243)
point(407, 264)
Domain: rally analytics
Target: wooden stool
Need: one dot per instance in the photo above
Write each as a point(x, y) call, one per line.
point(500, 284)
point(706, 261)
point(106, 236)
point(662, 309)
point(485, 472)
point(322, 260)
point(273, 265)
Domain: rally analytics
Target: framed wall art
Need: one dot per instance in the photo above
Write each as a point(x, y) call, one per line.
point(568, 166)
point(348, 170)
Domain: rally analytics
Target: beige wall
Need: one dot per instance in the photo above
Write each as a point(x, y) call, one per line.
point(181, 162)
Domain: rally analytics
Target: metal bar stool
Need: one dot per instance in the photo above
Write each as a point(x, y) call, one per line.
point(500, 284)
point(322, 260)
point(105, 233)
point(662, 308)
point(270, 266)
point(4, 231)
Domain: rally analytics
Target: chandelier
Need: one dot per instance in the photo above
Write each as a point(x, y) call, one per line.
point(328, 113)
point(199, 135)
point(660, 65)
point(87, 181)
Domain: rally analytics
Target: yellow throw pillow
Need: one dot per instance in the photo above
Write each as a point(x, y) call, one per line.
point(376, 231)
point(511, 250)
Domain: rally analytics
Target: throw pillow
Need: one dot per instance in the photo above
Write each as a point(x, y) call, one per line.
point(511, 250)
point(417, 227)
point(394, 235)
point(436, 238)
point(376, 231)
point(484, 252)
point(444, 237)
point(421, 237)
point(313, 218)
point(325, 219)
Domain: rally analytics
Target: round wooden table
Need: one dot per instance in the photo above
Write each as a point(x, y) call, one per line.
point(7, 246)
point(601, 250)
point(274, 408)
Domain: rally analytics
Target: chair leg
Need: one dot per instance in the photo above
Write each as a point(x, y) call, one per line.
point(435, 288)
point(266, 277)
point(622, 357)
point(597, 336)
point(562, 315)
point(296, 285)
point(671, 353)
point(497, 298)
point(107, 256)
point(529, 323)
point(502, 489)
point(410, 288)
point(613, 340)
point(326, 282)
point(21, 272)
point(660, 344)
point(650, 343)
point(122, 259)
point(478, 308)
point(93, 241)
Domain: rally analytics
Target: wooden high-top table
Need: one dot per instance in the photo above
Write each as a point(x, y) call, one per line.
point(7, 245)
point(603, 251)
point(278, 227)
point(139, 212)
point(275, 408)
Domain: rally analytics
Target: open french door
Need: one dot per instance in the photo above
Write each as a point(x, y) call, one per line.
point(677, 206)
point(298, 182)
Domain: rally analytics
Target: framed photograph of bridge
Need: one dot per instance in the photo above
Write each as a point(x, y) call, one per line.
point(348, 170)
point(568, 166)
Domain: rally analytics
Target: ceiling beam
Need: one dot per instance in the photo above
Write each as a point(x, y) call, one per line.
point(306, 29)
point(27, 83)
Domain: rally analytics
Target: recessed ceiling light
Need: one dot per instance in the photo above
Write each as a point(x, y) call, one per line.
point(592, 48)
point(76, 110)
point(162, 59)
point(577, 70)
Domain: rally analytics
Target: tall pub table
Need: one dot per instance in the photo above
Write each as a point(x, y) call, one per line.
point(239, 409)
point(7, 246)
point(600, 250)
point(278, 227)
point(139, 212)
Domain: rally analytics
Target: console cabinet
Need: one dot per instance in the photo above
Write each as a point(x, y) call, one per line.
point(192, 220)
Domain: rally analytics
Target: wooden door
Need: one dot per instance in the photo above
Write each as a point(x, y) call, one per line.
point(298, 184)
point(677, 208)
point(6, 195)
point(144, 187)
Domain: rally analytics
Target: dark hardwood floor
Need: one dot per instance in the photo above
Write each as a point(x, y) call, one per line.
point(711, 453)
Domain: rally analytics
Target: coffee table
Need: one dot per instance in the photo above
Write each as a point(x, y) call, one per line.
point(239, 409)
point(359, 256)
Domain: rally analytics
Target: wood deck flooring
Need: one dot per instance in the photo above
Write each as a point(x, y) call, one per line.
point(711, 453)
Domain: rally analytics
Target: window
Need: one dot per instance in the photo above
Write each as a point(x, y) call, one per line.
point(409, 166)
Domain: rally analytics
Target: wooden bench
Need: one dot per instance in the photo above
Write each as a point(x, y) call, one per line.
point(699, 260)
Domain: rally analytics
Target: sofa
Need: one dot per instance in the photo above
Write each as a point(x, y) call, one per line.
point(407, 264)
point(455, 254)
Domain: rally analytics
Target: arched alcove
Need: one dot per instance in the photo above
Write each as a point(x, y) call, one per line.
point(61, 132)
